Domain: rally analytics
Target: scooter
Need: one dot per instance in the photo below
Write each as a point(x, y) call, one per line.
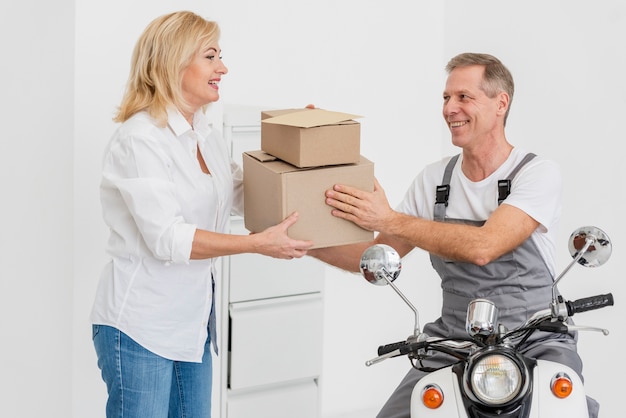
point(491, 377)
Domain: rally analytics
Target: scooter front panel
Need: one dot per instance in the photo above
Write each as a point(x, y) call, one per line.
point(452, 406)
point(546, 404)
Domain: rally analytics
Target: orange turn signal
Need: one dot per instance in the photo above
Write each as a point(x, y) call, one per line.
point(561, 385)
point(432, 396)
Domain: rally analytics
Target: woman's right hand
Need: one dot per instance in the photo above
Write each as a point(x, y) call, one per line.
point(275, 242)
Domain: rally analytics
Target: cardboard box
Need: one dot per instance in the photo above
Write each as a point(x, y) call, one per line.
point(273, 189)
point(311, 137)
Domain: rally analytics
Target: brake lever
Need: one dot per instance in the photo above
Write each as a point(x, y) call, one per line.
point(563, 328)
point(378, 359)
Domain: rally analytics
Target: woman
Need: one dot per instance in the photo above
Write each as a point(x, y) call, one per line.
point(168, 189)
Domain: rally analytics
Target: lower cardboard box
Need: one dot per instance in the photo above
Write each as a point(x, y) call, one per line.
point(273, 189)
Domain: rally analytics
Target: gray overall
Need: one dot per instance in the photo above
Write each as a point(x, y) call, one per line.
point(519, 283)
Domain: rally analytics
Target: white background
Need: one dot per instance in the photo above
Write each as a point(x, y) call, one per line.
point(64, 66)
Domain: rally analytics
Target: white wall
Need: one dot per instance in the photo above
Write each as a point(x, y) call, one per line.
point(383, 60)
point(36, 279)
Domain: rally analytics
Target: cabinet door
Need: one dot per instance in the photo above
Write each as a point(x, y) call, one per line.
point(253, 276)
point(242, 129)
point(275, 341)
point(244, 139)
point(297, 400)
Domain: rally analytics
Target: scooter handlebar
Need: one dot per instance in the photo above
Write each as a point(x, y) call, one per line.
point(386, 349)
point(589, 304)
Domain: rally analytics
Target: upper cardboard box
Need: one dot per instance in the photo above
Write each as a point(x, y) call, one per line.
point(311, 137)
point(307, 118)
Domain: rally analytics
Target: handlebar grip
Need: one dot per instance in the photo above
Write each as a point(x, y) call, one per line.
point(385, 349)
point(589, 304)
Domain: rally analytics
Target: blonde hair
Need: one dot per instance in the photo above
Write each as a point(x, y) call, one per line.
point(164, 49)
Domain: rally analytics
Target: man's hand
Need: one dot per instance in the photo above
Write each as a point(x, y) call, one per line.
point(369, 210)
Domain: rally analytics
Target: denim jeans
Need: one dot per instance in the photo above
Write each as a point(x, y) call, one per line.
point(142, 384)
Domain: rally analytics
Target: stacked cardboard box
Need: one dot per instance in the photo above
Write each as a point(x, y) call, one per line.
point(304, 152)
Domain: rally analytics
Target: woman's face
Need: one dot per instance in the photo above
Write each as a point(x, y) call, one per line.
point(200, 81)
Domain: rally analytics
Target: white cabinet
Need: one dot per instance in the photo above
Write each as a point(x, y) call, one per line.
point(271, 315)
point(253, 276)
point(295, 399)
point(275, 340)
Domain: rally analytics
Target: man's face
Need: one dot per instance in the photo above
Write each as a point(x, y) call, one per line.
point(472, 117)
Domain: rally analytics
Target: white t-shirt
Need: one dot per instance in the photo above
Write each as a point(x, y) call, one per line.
point(154, 195)
point(536, 190)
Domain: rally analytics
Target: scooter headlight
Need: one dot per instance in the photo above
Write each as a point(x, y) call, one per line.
point(496, 379)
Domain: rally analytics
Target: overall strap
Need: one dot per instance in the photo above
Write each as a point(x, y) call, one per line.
point(443, 191)
point(504, 186)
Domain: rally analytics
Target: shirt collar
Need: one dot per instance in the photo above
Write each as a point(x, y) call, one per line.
point(177, 121)
point(180, 126)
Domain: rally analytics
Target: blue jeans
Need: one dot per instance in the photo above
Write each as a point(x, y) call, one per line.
point(143, 384)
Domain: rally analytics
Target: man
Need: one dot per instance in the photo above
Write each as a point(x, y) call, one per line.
point(488, 217)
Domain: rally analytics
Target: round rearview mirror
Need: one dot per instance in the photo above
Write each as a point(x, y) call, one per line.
point(599, 246)
point(380, 263)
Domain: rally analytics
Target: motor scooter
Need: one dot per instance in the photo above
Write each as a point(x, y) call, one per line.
point(491, 377)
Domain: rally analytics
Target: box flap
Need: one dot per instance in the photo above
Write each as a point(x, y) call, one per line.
point(311, 118)
point(271, 163)
point(266, 114)
point(261, 156)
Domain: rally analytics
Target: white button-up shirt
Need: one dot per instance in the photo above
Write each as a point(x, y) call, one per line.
point(154, 196)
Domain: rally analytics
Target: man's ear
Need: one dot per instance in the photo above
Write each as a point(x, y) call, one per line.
point(503, 102)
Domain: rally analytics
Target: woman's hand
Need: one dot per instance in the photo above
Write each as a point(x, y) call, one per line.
point(275, 242)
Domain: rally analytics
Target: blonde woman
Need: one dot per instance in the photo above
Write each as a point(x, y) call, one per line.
point(168, 188)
